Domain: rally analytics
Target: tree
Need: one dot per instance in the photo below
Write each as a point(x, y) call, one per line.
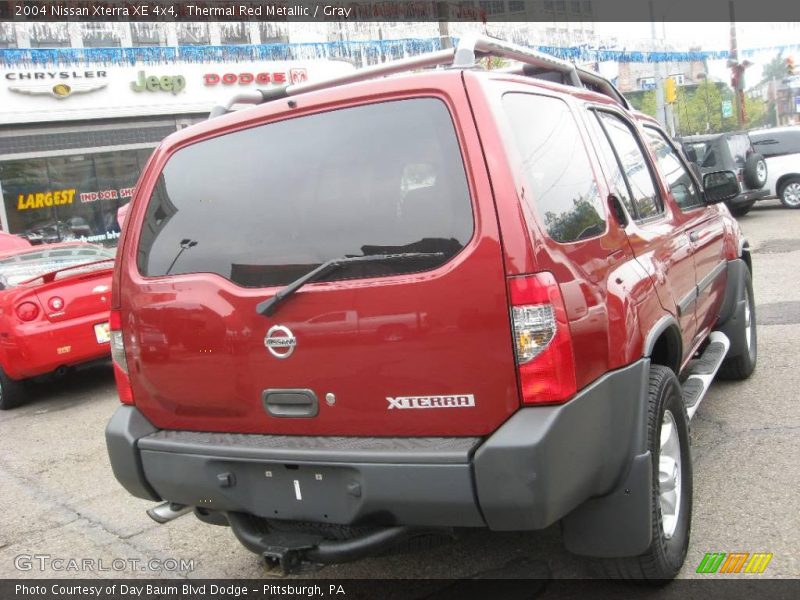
point(759, 112)
point(775, 68)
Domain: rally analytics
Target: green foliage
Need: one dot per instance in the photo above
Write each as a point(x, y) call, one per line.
point(775, 68)
point(699, 110)
point(493, 62)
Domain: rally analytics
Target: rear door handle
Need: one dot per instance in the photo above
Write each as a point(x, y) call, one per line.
point(694, 236)
point(290, 403)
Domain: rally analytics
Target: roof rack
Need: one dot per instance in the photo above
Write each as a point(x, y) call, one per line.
point(470, 49)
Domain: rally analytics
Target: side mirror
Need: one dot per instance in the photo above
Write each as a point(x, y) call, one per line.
point(720, 186)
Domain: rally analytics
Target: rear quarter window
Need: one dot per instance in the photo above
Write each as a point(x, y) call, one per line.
point(265, 205)
point(561, 185)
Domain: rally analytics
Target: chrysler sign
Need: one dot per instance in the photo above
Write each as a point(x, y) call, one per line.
point(58, 84)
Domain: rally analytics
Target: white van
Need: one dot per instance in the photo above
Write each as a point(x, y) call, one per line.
point(780, 146)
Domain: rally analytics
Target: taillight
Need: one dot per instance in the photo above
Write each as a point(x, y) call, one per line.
point(27, 311)
point(118, 358)
point(542, 342)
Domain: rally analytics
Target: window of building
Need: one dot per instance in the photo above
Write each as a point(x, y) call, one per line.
point(674, 171)
point(234, 33)
point(492, 7)
point(647, 83)
point(100, 35)
point(147, 34)
point(193, 34)
point(8, 37)
point(646, 200)
point(49, 35)
point(679, 78)
point(70, 197)
point(273, 33)
point(561, 187)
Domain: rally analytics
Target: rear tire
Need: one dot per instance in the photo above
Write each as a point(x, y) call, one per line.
point(12, 393)
point(671, 494)
point(755, 171)
point(789, 193)
point(742, 366)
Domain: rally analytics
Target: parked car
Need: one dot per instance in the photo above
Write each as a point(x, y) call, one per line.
point(780, 146)
point(54, 305)
point(9, 241)
point(731, 151)
point(576, 288)
point(49, 232)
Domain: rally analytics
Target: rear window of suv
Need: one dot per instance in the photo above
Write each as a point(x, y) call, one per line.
point(740, 148)
point(266, 205)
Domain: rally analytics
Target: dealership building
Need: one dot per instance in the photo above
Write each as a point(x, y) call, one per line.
point(75, 137)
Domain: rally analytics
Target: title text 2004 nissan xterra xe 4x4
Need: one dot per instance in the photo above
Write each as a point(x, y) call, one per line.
point(387, 307)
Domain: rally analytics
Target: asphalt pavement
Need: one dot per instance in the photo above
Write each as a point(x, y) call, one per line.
point(62, 502)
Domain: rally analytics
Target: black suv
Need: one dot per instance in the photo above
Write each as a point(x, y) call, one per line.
point(731, 151)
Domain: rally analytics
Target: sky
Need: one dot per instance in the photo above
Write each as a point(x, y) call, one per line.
point(713, 36)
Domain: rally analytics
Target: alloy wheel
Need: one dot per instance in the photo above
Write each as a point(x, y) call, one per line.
point(669, 475)
point(791, 194)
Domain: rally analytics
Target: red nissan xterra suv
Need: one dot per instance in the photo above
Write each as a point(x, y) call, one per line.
point(378, 308)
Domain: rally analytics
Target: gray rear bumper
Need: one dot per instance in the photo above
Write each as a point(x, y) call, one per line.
point(535, 469)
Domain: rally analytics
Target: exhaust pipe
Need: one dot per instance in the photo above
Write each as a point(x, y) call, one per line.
point(168, 511)
point(61, 372)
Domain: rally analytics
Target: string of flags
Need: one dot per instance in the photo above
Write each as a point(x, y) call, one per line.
point(360, 52)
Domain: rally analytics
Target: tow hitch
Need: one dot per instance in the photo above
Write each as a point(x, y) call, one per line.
point(293, 552)
point(288, 553)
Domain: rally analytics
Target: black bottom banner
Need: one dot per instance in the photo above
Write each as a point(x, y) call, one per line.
point(391, 589)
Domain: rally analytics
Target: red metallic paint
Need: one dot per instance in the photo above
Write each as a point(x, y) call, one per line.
point(54, 339)
point(456, 336)
point(195, 347)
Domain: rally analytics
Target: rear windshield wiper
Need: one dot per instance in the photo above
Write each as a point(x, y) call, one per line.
point(267, 307)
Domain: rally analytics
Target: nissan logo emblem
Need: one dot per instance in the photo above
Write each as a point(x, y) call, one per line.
point(280, 341)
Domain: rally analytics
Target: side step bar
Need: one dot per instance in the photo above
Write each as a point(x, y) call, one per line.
point(702, 371)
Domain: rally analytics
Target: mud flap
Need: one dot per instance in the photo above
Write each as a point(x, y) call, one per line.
point(618, 524)
point(732, 311)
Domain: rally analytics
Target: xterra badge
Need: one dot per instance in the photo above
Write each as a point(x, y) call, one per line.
point(459, 401)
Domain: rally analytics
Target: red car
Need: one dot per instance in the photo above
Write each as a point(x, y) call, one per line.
point(10, 241)
point(54, 303)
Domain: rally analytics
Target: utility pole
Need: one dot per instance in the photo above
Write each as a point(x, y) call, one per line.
point(660, 114)
point(669, 112)
point(737, 71)
point(775, 102)
point(444, 29)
